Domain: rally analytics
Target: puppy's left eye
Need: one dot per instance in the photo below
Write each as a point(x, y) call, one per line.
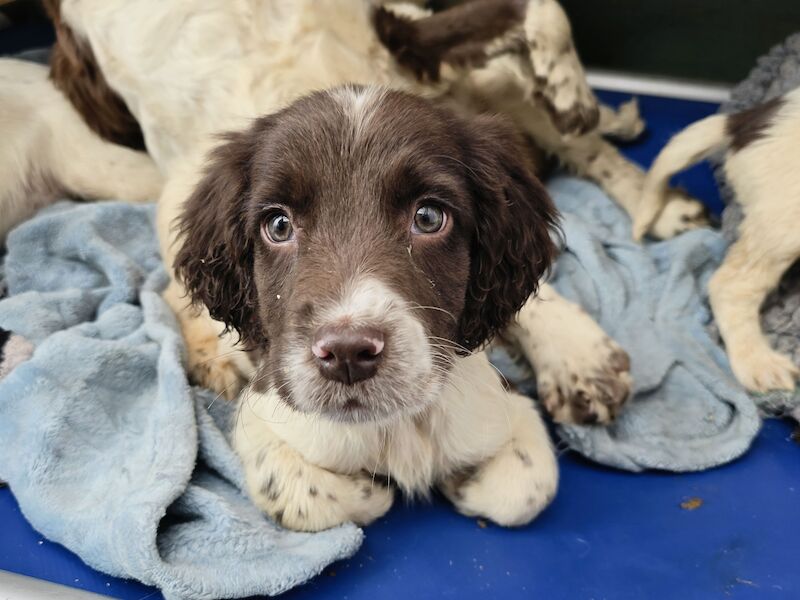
point(278, 228)
point(429, 218)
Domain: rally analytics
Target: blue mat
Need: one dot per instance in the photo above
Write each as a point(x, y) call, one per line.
point(609, 534)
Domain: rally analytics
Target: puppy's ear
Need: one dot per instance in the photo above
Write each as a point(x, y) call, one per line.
point(514, 219)
point(215, 261)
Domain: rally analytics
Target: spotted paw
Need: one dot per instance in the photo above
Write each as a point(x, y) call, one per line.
point(680, 214)
point(511, 489)
point(560, 83)
point(623, 124)
point(303, 497)
point(585, 380)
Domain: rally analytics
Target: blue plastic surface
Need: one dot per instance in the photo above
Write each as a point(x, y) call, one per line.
point(609, 534)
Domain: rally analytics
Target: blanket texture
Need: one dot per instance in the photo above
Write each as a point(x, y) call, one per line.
point(113, 455)
point(105, 446)
point(688, 412)
point(775, 74)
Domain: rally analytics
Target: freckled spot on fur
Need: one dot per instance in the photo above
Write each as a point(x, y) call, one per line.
point(267, 486)
point(523, 456)
point(530, 501)
point(273, 496)
point(278, 517)
point(301, 514)
point(300, 471)
point(332, 497)
point(312, 491)
point(260, 457)
point(366, 492)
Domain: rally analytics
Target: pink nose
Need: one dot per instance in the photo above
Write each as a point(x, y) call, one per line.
point(347, 354)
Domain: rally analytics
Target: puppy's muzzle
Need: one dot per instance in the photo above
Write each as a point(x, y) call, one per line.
point(348, 354)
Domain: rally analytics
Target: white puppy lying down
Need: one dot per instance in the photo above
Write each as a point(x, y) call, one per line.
point(762, 165)
point(47, 151)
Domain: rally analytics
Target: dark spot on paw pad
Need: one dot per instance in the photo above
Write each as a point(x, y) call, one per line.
point(312, 491)
point(620, 361)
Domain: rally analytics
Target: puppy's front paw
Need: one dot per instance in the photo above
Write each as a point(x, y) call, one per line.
point(304, 497)
point(680, 214)
point(761, 369)
point(588, 385)
point(624, 124)
point(212, 365)
point(510, 489)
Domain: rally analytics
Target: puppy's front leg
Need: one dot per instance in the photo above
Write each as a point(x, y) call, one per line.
point(518, 482)
point(294, 492)
point(582, 375)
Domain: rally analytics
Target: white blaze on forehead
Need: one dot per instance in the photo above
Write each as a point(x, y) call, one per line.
point(359, 105)
point(364, 299)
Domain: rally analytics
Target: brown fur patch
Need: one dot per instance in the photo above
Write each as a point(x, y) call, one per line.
point(457, 35)
point(750, 125)
point(74, 70)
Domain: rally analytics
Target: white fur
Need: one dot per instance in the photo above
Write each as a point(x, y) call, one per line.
point(765, 178)
point(474, 422)
point(367, 302)
point(47, 151)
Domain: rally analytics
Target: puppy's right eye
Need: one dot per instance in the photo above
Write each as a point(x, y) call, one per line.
point(278, 228)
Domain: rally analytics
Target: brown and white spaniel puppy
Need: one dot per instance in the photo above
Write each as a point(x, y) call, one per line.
point(364, 243)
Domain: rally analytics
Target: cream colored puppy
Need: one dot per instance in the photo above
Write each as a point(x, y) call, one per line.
point(762, 157)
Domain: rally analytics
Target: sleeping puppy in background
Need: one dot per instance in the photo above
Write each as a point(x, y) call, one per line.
point(761, 165)
point(366, 280)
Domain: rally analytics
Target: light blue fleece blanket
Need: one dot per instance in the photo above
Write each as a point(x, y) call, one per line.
point(112, 454)
point(104, 444)
point(688, 412)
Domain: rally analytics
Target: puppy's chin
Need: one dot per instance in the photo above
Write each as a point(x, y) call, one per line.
point(374, 402)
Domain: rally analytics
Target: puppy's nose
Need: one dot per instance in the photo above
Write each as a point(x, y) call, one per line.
point(347, 354)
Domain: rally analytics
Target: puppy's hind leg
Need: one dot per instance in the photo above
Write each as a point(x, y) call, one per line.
point(89, 167)
point(752, 268)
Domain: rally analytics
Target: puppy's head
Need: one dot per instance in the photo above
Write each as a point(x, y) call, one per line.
point(360, 239)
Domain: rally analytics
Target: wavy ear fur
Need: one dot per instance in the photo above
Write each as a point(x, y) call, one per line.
point(215, 262)
point(514, 219)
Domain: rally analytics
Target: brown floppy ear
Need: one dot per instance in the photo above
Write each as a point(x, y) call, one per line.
point(514, 219)
point(215, 261)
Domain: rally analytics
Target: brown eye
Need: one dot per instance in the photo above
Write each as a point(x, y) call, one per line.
point(278, 228)
point(428, 219)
